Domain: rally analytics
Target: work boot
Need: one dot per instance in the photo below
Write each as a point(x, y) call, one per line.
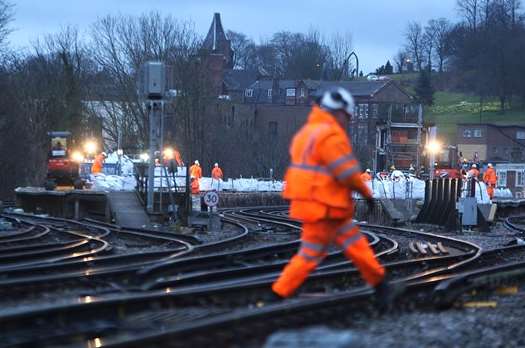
point(386, 292)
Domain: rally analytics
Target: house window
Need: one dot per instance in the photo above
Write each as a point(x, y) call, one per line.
point(520, 178)
point(272, 128)
point(363, 111)
point(269, 93)
point(248, 93)
point(302, 93)
point(520, 135)
point(477, 133)
point(467, 133)
point(290, 92)
point(502, 178)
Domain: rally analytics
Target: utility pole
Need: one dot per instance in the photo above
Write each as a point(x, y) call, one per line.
point(154, 86)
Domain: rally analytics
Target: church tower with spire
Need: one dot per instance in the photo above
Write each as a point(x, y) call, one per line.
point(217, 54)
point(216, 42)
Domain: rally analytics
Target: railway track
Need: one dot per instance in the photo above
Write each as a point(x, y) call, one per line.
point(515, 224)
point(221, 297)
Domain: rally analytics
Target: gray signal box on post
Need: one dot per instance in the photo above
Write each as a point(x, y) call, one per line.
point(154, 83)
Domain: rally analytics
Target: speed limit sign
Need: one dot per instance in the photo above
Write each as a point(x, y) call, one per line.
point(211, 198)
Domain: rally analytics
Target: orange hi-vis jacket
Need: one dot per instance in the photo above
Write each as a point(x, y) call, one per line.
point(473, 173)
point(196, 171)
point(178, 158)
point(366, 177)
point(490, 177)
point(323, 171)
point(216, 173)
point(98, 164)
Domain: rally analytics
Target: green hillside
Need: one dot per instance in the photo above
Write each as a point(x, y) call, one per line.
point(452, 108)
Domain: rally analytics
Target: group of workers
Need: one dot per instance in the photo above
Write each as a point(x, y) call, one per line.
point(490, 178)
point(196, 175)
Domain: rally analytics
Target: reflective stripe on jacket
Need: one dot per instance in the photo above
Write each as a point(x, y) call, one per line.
point(323, 170)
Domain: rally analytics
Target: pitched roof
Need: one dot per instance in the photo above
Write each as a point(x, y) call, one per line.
point(492, 125)
point(216, 36)
point(268, 84)
point(239, 79)
point(357, 88)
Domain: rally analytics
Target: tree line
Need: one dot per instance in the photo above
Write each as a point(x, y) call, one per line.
point(481, 53)
point(289, 55)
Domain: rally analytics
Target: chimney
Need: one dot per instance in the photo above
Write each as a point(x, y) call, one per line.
point(275, 90)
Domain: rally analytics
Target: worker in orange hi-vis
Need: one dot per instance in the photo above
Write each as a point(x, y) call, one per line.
point(473, 172)
point(319, 183)
point(178, 158)
point(98, 163)
point(365, 176)
point(196, 170)
point(490, 179)
point(195, 186)
point(216, 172)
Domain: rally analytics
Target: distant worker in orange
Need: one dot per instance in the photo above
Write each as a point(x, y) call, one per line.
point(98, 163)
point(490, 179)
point(178, 158)
point(365, 176)
point(195, 187)
point(196, 170)
point(216, 172)
point(319, 183)
point(473, 172)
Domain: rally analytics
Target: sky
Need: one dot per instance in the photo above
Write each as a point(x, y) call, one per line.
point(377, 26)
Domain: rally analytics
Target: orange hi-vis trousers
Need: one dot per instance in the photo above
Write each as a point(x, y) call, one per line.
point(315, 240)
point(490, 190)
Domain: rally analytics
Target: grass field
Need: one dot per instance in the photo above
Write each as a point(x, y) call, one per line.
point(452, 108)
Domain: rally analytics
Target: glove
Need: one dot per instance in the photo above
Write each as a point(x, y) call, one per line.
point(371, 204)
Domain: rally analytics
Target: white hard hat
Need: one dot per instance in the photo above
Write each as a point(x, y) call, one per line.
point(216, 164)
point(368, 170)
point(196, 161)
point(337, 98)
point(104, 154)
point(474, 165)
point(490, 165)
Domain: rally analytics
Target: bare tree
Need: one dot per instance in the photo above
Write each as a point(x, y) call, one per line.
point(512, 7)
point(400, 60)
point(414, 36)
point(65, 52)
point(120, 45)
point(6, 15)
point(470, 9)
point(242, 48)
point(440, 29)
point(428, 42)
point(340, 46)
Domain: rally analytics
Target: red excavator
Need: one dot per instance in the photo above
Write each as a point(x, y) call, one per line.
point(62, 163)
point(446, 165)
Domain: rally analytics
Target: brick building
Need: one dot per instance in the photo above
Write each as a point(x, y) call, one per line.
point(252, 118)
point(492, 143)
point(387, 125)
